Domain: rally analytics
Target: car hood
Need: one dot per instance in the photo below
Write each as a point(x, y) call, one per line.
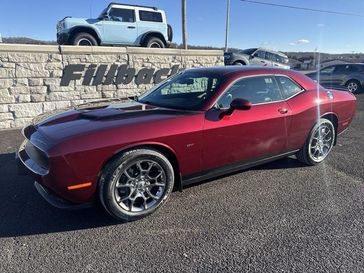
point(87, 120)
point(73, 21)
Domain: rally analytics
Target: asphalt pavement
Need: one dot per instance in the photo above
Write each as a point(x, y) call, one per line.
point(278, 217)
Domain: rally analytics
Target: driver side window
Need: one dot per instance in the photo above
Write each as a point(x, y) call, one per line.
point(261, 89)
point(122, 15)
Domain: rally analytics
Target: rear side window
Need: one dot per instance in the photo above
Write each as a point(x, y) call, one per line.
point(122, 15)
point(150, 16)
point(289, 87)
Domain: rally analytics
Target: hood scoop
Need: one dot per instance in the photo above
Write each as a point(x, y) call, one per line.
point(102, 113)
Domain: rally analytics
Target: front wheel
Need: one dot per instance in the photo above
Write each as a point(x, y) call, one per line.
point(135, 184)
point(84, 39)
point(319, 143)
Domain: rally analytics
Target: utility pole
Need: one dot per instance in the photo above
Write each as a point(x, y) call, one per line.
point(184, 24)
point(227, 24)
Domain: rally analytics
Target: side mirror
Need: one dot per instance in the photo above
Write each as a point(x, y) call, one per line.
point(240, 104)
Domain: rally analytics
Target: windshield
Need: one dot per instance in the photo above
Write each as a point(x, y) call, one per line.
point(248, 51)
point(102, 14)
point(188, 90)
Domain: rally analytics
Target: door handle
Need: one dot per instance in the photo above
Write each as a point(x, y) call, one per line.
point(283, 111)
point(131, 27)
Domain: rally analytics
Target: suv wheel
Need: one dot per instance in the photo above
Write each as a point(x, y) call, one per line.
point(319, 143)
point(84, 39)
point(154, 42)
point(136, 184)
point(353, 86)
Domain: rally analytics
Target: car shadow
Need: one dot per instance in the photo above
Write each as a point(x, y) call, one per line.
point(284, 163)
point(24, 212)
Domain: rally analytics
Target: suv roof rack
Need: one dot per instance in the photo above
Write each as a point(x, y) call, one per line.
point(115, 3)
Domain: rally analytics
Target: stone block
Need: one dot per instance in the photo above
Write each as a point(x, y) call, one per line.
point(19, 90)
point(37, 97)
point(21, 122)
point(31, 70)
point(20, 57)
point(6, 73)
point(64, 96)
point(6, 83)
point(6, 116)
point(35, 82)
point(21, 82)
point(5, 97)
point(22, 98)
point(50, 105)
point(38, 90)
point(26, 109)
point(4, 108)
point(5, 124)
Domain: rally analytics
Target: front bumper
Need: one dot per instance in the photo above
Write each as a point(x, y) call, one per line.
point(27, 165)
point(63, 38)
point(57, 201)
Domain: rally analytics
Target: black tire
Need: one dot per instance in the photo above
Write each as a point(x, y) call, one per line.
point(353, 86)
point(84, 39)
point(112, 176)
point(154, 42)
point(305, 155)
point(240, 63)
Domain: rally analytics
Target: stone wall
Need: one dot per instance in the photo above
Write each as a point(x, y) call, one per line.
point(30, 75)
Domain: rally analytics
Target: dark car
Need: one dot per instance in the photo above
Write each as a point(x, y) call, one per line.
point(257, 56)
point(198, 124)
point(343, 76)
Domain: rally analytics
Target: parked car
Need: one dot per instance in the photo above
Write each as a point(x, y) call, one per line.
point(118, 24)
point(345, 76)
point(198, 124)
point(257, 56)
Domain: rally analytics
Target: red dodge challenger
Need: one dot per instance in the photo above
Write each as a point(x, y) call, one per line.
point(200, 123)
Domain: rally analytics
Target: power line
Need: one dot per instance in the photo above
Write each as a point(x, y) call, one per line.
point(303, 8)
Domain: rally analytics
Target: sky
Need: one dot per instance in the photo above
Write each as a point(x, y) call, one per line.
point(252, 25)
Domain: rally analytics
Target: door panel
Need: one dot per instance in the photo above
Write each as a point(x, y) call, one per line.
point(121, 27)
point(259, 58)
point(245, 135)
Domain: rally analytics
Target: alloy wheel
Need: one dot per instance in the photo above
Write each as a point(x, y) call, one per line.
point(321, 143)
point(141, 186)
point(353, 87)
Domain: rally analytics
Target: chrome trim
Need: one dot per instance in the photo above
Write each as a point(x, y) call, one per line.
point(261, 75)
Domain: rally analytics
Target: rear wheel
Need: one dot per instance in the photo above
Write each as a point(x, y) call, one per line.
point(319, 143)
point(84, 39)
point(353, 86)
point(154, 42)
point(135, 184)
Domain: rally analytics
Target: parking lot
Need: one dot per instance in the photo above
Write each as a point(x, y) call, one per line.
point(279, 217)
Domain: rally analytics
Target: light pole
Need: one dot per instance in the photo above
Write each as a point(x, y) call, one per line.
point(184, 25)
point(227, 24)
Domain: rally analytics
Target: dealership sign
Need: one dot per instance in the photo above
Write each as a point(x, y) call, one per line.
point(115, 74)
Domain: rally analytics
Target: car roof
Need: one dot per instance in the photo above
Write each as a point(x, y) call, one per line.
point(233, 72)
point(131, 5)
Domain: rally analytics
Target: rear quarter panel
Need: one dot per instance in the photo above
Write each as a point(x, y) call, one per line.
point(309, 106)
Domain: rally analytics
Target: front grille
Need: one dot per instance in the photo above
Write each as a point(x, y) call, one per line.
point(35, 154)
